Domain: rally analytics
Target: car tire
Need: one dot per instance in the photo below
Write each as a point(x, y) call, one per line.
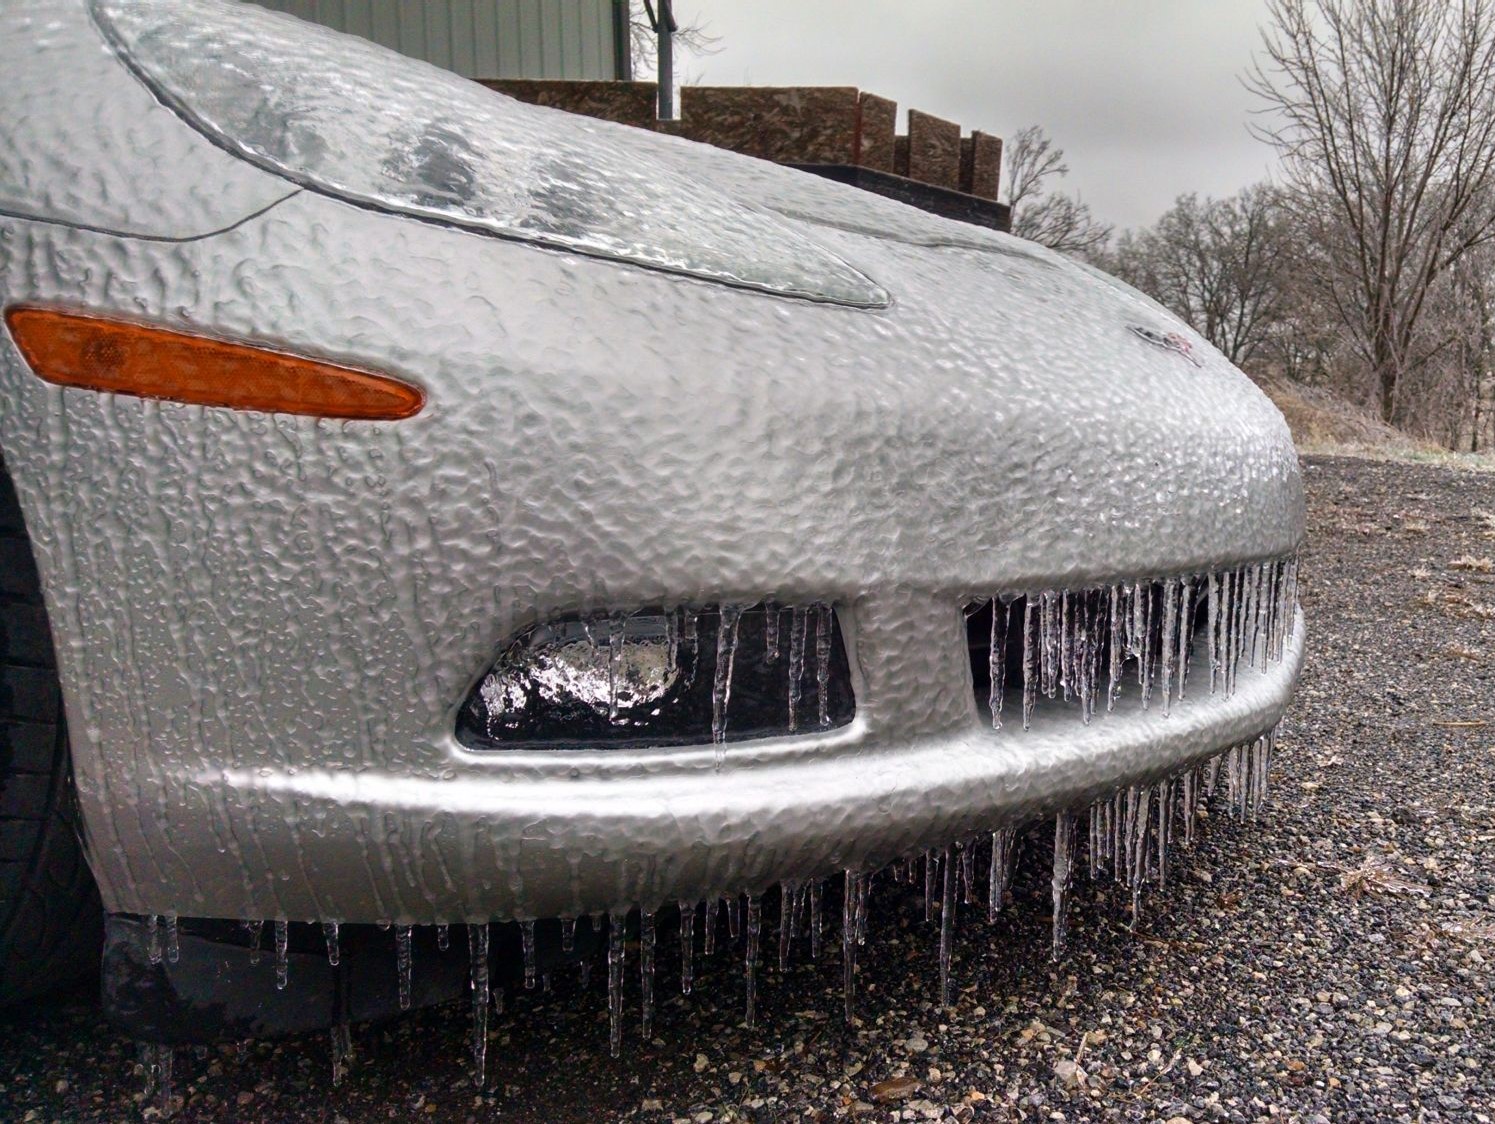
point(51, 922)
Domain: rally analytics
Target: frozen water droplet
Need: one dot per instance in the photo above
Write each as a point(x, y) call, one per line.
point(404, 963)
point(1062, 880)
point(282, 953)
point(687, 946)
point(477, 960)
point(646, 969)
point(329, 932)
point(527, 941)
point(615, 924)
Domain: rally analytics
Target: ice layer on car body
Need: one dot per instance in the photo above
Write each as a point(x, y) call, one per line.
point(263, 623)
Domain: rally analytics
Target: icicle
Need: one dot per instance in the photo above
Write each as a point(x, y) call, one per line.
point(750, 959)
point(1002, 841)
point(849, 926)
point(282, 955)
point(687, 946)
point(1049, 634)
point(1138, 815)
point(615, 925)
point(173, 939)
point(646, 969)
point(1185, 631)
point(798, 627)
point(721, 690)
point(967, 853)
point(1169, 644)
point(1212, 628)
point(787, 893)
point(341, 1039)
point(1146, 665)
point(1084, 657)
point(823, 621)
point(477, 960)
point(616, 625)
point(527, 944)
point(690, 639)
point(672, 638)
point(403, 963)
point(815, 892)
point(443, 938)
point(329, 933)
point(568, 934)
point(1117, 652)
point(1164, 828)
point(153, 938)
point(1067, 679)
point(1031, 661)
point(734, 917)
point(256, 932)
point(1189, 803)
point(709, 923)
point(997, 659)
point(1063, 878)
point(947, 928)
point(931, 869)
point(771, 632)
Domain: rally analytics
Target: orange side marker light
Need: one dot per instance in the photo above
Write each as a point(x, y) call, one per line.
point(122, 357)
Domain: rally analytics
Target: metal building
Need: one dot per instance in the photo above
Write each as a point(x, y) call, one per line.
point(565, 39)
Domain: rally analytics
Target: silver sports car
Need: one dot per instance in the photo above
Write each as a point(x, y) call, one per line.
point(451, 511)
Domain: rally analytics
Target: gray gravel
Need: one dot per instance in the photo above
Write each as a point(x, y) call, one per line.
point(1330, 963)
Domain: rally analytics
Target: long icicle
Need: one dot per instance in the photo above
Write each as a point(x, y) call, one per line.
point(947, 926)
point(477, 953)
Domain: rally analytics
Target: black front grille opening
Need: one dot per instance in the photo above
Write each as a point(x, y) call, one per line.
point(665, 677)
point(1082, 650)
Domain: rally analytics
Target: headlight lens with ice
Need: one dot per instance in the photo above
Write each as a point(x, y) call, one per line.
point(347, 118)
point(672, 677)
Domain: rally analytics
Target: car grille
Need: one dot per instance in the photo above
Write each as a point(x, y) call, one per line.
point(1085, 649)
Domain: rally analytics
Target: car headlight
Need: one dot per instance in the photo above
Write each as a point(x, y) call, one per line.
point(673, 677)
point(350, 119)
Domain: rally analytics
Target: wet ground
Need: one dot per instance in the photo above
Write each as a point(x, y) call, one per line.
point(1331, 962)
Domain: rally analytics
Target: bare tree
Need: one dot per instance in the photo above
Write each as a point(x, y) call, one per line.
point(1219, 264)
point(643, 38)
point(1383, 112)
point(1052, 218)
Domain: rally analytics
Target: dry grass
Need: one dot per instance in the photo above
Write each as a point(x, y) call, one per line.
point(1473, 565)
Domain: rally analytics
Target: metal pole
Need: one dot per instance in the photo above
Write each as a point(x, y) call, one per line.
point(665, 26)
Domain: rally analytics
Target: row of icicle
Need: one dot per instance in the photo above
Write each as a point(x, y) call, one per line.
point(1129, 836)
point(1083, 644)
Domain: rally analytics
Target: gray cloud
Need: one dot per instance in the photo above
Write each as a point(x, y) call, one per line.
point(1144, 96)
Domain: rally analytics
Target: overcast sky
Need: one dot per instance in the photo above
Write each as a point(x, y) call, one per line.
point(1144, 96)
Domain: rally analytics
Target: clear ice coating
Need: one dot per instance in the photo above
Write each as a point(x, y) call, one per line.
point(1073, 640)
point(342, 116)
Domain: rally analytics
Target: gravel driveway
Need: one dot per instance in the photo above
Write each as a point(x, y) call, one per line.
point(1331, 962)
